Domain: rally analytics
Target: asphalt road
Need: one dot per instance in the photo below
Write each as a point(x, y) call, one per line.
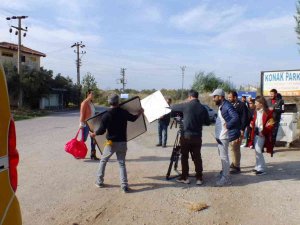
point(54, 188)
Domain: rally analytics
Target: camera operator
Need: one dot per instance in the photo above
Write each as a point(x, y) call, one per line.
point(194, 117)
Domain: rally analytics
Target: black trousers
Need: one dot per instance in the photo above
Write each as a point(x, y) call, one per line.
point(275, 131)
point(191, 144)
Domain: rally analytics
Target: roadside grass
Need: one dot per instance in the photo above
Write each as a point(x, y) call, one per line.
point(23, 114)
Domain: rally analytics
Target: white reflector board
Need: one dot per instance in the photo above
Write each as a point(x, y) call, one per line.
point(155, 106)
point(134, 129)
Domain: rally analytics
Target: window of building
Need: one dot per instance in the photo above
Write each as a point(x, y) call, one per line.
point(33, 59)
point(22, 58)
point(7, 54)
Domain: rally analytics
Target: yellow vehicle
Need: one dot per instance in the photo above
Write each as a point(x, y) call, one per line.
point(10, 213)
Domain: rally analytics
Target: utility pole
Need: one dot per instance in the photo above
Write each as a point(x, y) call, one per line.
point(182, 70)
point(122, 79)
point(78, 60)
point(18, 32)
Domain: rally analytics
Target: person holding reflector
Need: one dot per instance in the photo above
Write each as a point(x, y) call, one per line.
point(114, 122)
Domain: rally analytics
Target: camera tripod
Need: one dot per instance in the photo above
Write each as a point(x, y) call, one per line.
point(176, 149)
point(175, 156)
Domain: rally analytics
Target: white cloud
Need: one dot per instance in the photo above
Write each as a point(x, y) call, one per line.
point(266, 33)
point(204, 18)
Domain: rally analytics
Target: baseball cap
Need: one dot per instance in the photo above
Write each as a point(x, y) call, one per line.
point(218, 92)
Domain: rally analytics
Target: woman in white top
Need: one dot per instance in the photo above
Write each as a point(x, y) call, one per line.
point(261, 136)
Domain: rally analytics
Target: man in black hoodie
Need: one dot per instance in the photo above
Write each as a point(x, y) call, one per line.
point(114, 122)
point(194, 117)
point(276, 104)
point(235, 149)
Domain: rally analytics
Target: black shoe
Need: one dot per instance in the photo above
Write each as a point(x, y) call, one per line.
point(99, 185)
point(234, 169)
point(125, 189)
point(164, 146)
point(260, 173)
point(94, 157)
point(254, 170)
point(158, 145)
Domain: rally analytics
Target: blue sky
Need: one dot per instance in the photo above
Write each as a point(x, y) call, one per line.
point(152, 39)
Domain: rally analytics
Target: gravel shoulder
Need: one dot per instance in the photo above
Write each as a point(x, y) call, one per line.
point(55, 188)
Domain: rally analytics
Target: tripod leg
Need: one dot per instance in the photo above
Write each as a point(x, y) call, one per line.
point(169, 169)
point(174, 157)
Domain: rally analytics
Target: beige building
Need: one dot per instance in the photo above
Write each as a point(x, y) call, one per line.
point(29, 57)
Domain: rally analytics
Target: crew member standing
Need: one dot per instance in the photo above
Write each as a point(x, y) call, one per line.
point(275, 104)
point(227, 129)
point(261, 135)
point(114, 121)
point(235, 146)
point(194, 117)
point(163, 124)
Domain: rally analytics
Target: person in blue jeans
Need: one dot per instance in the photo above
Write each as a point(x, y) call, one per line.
point(163, 124)
point(114, 122)
point(87, 110)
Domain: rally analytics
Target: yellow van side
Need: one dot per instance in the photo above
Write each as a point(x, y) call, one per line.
point(10, 213)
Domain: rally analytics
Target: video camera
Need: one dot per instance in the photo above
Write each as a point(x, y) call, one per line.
point(177, 117)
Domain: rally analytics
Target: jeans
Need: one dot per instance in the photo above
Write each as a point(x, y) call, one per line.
point(260, 160)
point(120, 148)
point(191, 144)
point(85, 136)
point(223, 153)
point(162, 133)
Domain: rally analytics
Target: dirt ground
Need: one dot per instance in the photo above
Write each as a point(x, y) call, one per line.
point(55, 188)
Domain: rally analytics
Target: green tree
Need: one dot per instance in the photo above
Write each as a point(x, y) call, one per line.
point(297, 18)
point(70, 90)
point(208, 82)
point(35, 84)
point(12, 79)
point(89, 82)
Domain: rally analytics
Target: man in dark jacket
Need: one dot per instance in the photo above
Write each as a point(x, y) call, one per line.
point(163, 124)
point(227, 129)
point(235, 148)
point(114, 121)
point(194, 117)
point(275, 103)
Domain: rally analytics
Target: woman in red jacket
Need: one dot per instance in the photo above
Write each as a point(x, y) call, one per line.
point(261, 135)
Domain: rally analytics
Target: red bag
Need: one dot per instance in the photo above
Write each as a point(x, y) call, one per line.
point(77, 148)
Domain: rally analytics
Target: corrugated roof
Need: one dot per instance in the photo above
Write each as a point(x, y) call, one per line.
point(24, 49)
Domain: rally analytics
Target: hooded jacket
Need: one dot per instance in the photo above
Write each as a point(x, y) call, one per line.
point(232, 120)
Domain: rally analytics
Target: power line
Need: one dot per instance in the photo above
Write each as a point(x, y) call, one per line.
point(57, 50)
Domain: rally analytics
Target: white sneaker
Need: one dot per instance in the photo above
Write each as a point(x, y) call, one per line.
point(243, 145)
point(199, 182)
point(223, 182)
point(186, 181)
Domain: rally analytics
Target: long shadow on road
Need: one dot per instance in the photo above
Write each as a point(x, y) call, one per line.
point(141, 159)
point(275, 172)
